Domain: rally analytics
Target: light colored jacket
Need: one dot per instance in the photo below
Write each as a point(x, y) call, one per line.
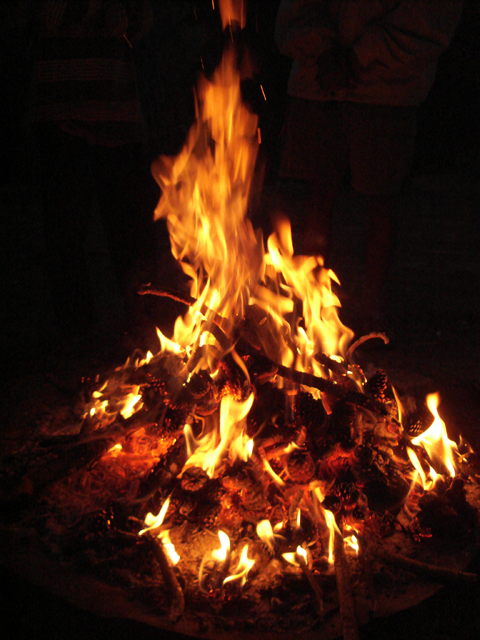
point(397, 43)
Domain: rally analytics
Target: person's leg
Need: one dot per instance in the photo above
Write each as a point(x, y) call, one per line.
point(315, 155)
point(382, 142)
point(128, 196)
point(381, 240)
point(66, 202)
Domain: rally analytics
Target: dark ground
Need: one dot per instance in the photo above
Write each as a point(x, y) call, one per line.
point(432, 312)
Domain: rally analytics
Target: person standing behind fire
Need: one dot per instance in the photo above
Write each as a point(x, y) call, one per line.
point(360, 70)
point(87, 121)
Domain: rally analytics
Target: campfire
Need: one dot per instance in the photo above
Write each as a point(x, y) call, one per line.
point(248, 465)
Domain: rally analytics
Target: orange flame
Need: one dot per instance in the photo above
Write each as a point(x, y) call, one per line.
point(297, 558)
point(267, 535)
point(154, 523)
point(244, 565)
point(435, 440)
point(220, 555)
point(207, 451)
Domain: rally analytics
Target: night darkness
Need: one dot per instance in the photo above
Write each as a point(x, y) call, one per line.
point(432, 297)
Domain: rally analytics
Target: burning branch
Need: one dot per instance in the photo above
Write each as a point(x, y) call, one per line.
point(362, 340)
point(178, 601)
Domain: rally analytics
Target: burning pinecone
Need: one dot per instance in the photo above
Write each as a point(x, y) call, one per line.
point(194, 479)
point(253, 499)
point(231, 379)
point(301, 467)
point(205, 514)
point(175, 418)
point(309, 412)
point(417, 422)
point(377, 386)
point(342, 495)
point(154, 392)
point(200, 384)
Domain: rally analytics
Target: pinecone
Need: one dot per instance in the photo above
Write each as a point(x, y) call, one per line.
point(154, 392)
point(200, 385)
point(309, 412)
point(301, 467)
point(377, 385)
point(417, 422)
point(206, 514)
point(347, 493)
point(194, 479)
point(253, 499)
point(175, 418)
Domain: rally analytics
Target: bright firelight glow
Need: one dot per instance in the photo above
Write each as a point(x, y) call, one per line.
point(244, 565)
point(435, 440)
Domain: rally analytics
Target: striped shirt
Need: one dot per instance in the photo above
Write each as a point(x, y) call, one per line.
point(84, 73)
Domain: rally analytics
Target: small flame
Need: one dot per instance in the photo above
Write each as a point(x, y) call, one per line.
point(352, 543)
point(152, 521)
point(333, 528)
point(164, 537)
point(131, 403)
point(244, 565)
point(435, 440)
point(267, 535)
point(275, 477)
point(220, 555)
point(115, 450)
point(329, 521)
point(299, 558)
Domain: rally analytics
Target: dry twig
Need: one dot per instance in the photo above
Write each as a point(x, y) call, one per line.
point(347, 605)
point(178, 601)
point(433, 572)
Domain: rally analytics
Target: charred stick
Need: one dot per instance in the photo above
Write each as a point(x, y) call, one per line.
point(178, 601)
point(443, 575)
point(362, 340)
point(292, 511)
point(316, 588)
point(146, 289)
point(329, 363)
point(309, 380)
point(187, 301)
point(345, 597)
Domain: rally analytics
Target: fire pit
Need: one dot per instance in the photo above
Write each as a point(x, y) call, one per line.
point(248, 477)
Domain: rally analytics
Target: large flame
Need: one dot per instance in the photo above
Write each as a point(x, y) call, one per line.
point(205, 194)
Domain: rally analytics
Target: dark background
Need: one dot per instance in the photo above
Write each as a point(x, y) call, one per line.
point(432, 295)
